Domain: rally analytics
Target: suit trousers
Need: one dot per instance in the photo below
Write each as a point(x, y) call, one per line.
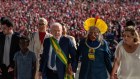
point(51, 74)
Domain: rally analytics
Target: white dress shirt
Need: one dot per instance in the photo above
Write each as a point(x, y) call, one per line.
point(6, 55)
point(49, 61)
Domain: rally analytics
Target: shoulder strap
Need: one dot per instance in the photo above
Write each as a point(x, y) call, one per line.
point(61, 55)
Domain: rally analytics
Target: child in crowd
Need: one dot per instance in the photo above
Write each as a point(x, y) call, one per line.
point(25, 61)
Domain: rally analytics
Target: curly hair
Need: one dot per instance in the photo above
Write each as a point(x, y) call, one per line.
point(133, 32)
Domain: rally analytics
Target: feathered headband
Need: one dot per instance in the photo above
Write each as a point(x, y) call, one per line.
point(95, 22)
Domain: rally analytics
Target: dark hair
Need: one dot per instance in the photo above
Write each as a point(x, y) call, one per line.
point(2, 19)
point(6, 21)
point(130, 23)
point(25, 38)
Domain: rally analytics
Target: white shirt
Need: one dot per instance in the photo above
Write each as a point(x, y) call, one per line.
point(6, 55)
point(49, 61)
point(129, 63)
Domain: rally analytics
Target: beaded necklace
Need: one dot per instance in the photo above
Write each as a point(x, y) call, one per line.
point(91, 51)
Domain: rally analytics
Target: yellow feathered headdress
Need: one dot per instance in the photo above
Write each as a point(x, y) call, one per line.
point(95, 22)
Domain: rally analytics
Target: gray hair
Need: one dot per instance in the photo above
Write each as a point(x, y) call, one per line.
point(43, 20)
point(56, 24)
point(100, 37)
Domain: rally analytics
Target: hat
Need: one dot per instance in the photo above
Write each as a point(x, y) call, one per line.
point(95, 22)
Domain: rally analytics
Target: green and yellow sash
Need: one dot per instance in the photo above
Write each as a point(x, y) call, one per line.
point(61, 55)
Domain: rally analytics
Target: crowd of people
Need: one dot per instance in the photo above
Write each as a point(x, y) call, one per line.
point(72, 13)
point(37, 39)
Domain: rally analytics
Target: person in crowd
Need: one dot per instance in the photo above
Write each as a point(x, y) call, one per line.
point(94, 51)
point(71, 12)
point(112, 42)
point(64, 28)
point(37, 39)
point(1, 22)
point(8, 47)
point(25, 61)
point(130, 23)
point(55, 62)
point(126, 63)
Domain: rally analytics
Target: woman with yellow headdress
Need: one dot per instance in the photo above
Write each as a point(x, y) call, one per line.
point(94, 52)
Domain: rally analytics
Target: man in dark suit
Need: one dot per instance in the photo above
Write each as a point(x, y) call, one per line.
point(8, 47)
point(54, 67)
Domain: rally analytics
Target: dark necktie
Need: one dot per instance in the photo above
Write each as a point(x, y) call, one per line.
point(53, 58)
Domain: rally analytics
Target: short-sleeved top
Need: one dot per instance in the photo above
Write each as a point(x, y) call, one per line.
point(24, 64)
point(129, 63)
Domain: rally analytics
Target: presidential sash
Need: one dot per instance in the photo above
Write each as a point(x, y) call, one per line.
point(61, 55)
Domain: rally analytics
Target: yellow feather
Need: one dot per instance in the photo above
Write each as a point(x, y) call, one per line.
point(100, 24)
